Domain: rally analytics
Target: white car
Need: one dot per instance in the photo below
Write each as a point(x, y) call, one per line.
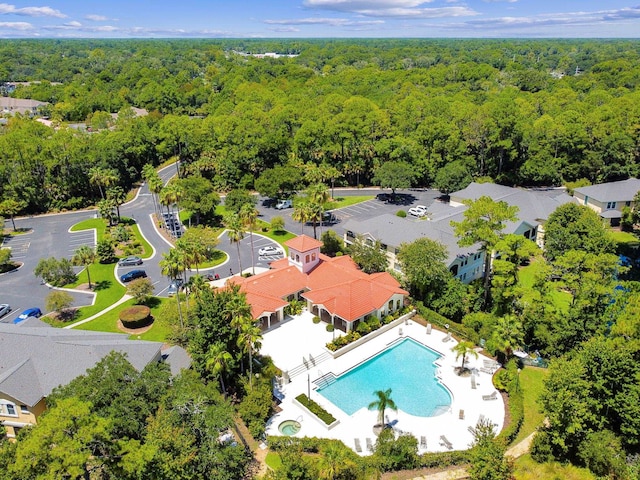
point(270, 250)
point(282, 204)
point(418, 211)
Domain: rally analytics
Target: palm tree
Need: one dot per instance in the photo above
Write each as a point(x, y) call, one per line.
point(249, 340)
point(235, 233)
point(171, 194)
point(333, 462)
point(462, 349)
point(300, 213)
point(508, 334)
point(105, 209)
point(154, 183)
point(217, 362)
point(85, 256)
point(318, 195)
point(248, 217)
point(103, 177)
point(118, 196)
point(384, 401)
point(197, 284)
point(172, 265)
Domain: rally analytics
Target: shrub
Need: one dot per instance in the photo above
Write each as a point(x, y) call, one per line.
point(316, 319)
point(255, 407)
point(401, 214)
point(510, 382)
point(363, 328)
point(374, 323)
point(316, 409)
point(388, 319)
point(330, 328)
point(137, 316)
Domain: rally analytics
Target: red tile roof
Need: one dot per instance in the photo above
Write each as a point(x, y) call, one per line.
point(303, 243)
point(336, 283)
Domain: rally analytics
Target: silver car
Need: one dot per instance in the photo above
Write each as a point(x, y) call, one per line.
point(5, 308)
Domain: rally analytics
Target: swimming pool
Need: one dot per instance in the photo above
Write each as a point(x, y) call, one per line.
point(406, 367)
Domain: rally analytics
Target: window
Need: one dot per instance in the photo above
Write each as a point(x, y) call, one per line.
point(390, 306)
point(611, 205)
point(24, 409)
point(628, 204)
point(398, 304)
point(313, 257)
point(306, 259)
point(8, 409)
point(297, 258)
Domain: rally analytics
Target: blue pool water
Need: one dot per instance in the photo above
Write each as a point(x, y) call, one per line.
point(407, 368)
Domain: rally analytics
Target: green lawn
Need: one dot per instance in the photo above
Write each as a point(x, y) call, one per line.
point(527, 469)
point(107, 288)
point(526, 278)
point(624, 237)
point(273, 460)
point(531, 383)
point(148, 249)
point(340, 202)
point(108, 322)
point(97, 223)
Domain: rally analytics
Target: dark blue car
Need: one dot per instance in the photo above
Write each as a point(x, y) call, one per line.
point(132, 275)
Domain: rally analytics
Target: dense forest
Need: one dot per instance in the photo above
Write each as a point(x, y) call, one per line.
point(535, 112)
point(349, 112)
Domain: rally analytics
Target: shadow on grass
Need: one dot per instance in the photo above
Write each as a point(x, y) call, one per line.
point(151, 302)
point(280, 233)
point(101, 285)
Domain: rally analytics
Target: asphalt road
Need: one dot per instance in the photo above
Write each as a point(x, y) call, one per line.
point(49, 236)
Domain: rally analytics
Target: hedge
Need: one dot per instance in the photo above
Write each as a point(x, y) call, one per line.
point(137, 316)
point(435, 318)
point(516, 405)
point(316, 409)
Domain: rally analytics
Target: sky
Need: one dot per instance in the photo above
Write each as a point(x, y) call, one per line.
point(320, 19)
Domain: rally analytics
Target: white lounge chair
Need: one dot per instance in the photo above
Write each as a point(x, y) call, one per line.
point(423, 442)
point(358, 446)
point(428, 329)
point(445, 442)
point(369, 444)
point(493, 396)
point(447, 338)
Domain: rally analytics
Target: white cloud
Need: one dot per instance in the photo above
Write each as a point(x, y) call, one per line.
point(568, 18)
point(6, 9)
point(285, 30)
point(73, 23)
point(391, 8)
point(356, 5)
point(21, 26)
point(96, 18)
point(334, 22)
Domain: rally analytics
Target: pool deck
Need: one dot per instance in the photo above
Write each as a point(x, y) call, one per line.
point(298, 346)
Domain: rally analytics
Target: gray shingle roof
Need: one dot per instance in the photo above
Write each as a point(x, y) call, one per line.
point(622, 191)
point(534, 208)
point(35, 360)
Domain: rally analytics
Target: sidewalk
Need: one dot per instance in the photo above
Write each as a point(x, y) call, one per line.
point(514, 451)
point(109, 308)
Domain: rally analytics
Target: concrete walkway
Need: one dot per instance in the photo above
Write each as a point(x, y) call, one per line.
point(124, 298)
point(514, 451)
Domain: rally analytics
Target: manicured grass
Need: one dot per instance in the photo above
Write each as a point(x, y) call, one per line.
point(340, 202)
point(107, 288)
point(527, 469)
point(273, 460)
point(527, 276)
point(218, 257)
point(624, 237)
point(109, 321)
point(98, 223)
point(531, 383)
point(147, 248)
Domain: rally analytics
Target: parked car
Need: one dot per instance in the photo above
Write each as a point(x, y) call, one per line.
point(4, 309)
point(132, 275)
point(29, 312)
point(269, 250)
point(128, 261)
point(418, 211)
point(282, 204)
point(174, 287)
